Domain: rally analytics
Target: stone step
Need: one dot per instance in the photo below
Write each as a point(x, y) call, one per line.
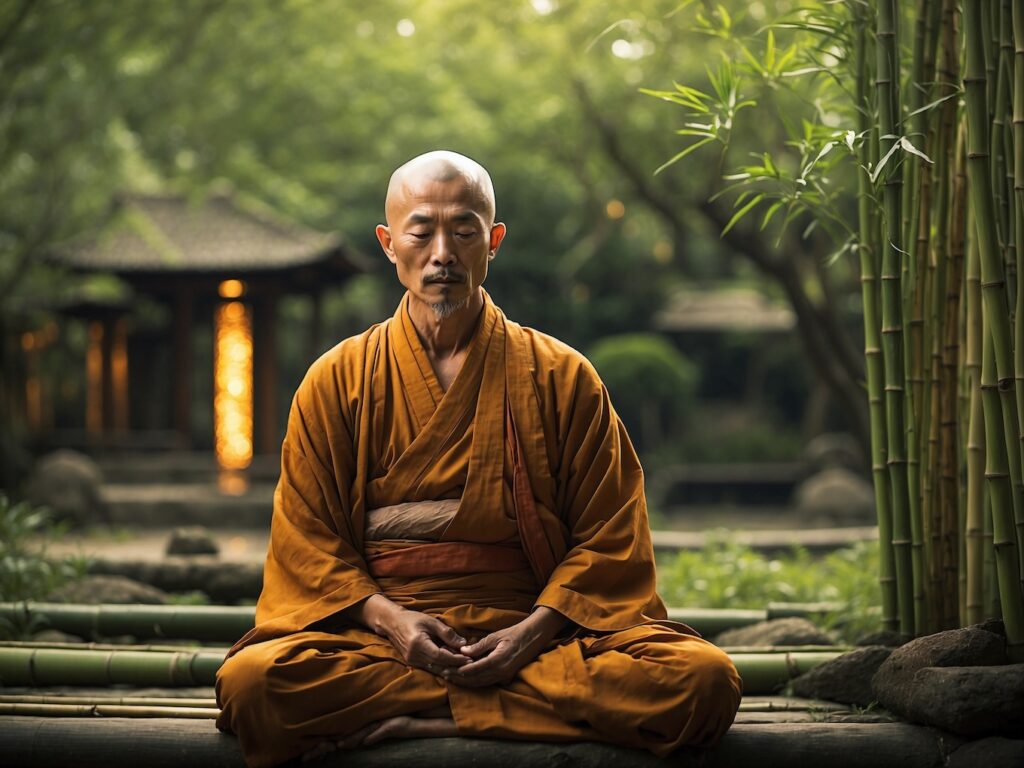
point(174, 504)
point(41, 742)
point(178, 467)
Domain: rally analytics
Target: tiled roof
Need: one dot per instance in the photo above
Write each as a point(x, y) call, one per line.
point(723, 309)
point(175, 235)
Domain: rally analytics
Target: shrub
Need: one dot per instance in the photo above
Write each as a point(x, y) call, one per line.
point(725, 574)
point(652, 384)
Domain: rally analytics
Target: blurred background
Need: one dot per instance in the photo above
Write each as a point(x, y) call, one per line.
point(188, 192)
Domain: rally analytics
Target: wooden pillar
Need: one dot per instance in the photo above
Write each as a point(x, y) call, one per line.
point(315, 326)
point(107, 374)
point(181, 382)
point(265, 375)
point(119, 372)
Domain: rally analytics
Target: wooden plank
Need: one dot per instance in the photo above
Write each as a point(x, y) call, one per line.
point(37, 742)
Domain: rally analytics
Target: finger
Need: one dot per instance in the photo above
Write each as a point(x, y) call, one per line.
point(491, 663)
point(481, 647)
point(447, 635)
point(441, 657)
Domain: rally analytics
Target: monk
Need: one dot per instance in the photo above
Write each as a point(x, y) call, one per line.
point(459, 543)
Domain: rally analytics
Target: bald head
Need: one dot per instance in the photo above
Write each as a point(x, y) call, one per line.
point(440, 166)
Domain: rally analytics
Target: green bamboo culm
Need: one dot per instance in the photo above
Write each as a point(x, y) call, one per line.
point(867, 249)
point(1018, 190)
point(975, 527)
point(1006, 513)
point(887, 82)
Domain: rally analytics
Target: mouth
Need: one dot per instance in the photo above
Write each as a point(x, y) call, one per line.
point(444, 279)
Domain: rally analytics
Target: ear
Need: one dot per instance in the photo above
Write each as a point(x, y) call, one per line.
point(497, 235)
point(384, 237)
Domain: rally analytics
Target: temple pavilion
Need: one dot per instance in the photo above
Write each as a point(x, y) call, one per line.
point(213, 270)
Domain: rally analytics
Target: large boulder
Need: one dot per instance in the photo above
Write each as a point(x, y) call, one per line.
point(192, 540)
point(994, 752)
point(68, 483)
point(788, 631)
point(979, 688)
point(970, 701)
point(846, 678)
point(838, 494)
point(93, 590)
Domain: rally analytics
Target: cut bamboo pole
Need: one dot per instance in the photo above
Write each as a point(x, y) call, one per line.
point(107, 710)
point(125, 701)
point(868, 252)
point(887, 82)
point(228, 623)
point(196, 622)
point(762, 673)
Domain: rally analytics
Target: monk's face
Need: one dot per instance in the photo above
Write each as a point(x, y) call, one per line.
point(440, 237)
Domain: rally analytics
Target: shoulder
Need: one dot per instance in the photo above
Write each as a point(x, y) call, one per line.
point(339, 372)
point(557, 366)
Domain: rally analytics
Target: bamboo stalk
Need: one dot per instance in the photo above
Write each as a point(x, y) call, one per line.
point(1004, 542)
point(975, 531)
point(887, 82)
point(995, 306)
point(1018, 188)
point(868, 252)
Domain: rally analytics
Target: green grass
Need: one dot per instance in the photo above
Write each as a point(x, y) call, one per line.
point(725, 574)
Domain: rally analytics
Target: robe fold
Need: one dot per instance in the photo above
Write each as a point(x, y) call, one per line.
point(525, 423)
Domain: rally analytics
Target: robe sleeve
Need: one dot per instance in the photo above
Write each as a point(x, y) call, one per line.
point(314, 566)
point(606, 581)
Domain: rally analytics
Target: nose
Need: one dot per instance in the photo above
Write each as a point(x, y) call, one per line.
point(442, 252)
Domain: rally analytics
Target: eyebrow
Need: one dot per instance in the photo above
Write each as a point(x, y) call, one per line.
point(422, 218)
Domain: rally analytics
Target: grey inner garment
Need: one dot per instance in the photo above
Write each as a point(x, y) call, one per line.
point(411, 520)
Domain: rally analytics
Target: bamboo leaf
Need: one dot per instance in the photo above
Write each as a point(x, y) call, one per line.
point(933, 104)
point(824, 151)
point(684, 153)
point(908, 147)
point(770, 213)
point(769, 52)
point(881, 163)
point(740, 214)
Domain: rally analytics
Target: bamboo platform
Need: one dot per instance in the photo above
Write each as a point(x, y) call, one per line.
point(52, 742)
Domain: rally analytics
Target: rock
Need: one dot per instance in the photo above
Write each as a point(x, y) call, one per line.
point(68, 483)
point(837, 493)
point(846, 678)
point(55, 636)
point(885, 637)
point(969, 701)
point(192, 540)
point(834, 449)
point(895, 683)
point(92, 590)
point(787, 631)
point(993, 751)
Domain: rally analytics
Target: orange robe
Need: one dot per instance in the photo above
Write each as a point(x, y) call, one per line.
point(371, 427)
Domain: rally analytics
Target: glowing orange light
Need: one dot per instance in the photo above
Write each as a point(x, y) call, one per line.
point(94, 379)
point(231, 289)
point(232, 396)
point(615, 209)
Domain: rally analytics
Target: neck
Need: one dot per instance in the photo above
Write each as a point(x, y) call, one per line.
point(444, 337)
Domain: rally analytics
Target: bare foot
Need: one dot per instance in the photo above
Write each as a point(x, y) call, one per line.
point(321, 749)
point(427, 723)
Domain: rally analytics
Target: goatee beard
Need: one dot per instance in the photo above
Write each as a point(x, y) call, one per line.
point(445, 309)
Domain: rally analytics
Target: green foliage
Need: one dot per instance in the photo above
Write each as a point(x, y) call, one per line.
point(25, 572)
point(652, 384)
point(725, 574)
point(723, 440)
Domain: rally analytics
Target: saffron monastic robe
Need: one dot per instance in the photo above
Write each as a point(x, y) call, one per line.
point(370, 427)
